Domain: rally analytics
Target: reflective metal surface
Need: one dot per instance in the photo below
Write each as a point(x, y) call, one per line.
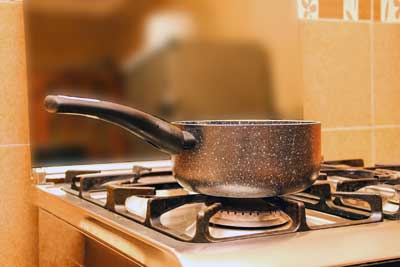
point(329, 247)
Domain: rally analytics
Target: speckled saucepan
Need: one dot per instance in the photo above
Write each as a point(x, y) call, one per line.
point(238, 159)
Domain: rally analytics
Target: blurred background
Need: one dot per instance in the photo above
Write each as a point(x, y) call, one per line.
point(177, 59)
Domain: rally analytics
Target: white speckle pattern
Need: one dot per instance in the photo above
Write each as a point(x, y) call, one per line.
point(252, 159)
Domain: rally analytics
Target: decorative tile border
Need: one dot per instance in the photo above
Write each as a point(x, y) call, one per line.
point(350, 10)
point(390, 10)
point(308, 9)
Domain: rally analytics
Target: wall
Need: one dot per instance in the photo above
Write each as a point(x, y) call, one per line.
point(351, 61)
point(18, 217)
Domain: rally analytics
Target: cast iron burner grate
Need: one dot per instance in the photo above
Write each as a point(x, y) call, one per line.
point(143, 183)
point(358, 177)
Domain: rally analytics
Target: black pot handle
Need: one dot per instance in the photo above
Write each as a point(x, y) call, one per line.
point(162, 134)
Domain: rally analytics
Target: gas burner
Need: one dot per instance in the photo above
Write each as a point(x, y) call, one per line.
point(249, 219)
point(248, 213)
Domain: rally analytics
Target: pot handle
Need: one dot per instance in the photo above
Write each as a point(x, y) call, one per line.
point(161, 134)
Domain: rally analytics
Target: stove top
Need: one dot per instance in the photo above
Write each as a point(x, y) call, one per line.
point(346, 194)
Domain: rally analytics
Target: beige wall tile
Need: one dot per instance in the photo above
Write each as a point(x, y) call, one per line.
point(18, 223)
point(347, 144)
point(14, 121)
point(387, 73)
point(13, 93)
point(336, 69)
point(387, 145)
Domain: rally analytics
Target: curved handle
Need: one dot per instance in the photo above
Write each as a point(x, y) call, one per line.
point(163, 135)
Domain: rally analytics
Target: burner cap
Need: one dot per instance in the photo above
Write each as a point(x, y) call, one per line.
point(249, 214)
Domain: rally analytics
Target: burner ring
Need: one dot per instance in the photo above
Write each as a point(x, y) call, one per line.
point(265, 216)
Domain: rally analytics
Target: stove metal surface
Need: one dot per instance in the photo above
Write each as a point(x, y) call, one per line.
point(347, 226)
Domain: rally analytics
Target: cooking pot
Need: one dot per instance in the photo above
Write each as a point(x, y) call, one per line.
point(226, 158)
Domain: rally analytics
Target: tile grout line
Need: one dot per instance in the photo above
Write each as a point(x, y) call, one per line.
point(13, 145)
point(372, 90)
point(387, 126)
point(361, 128)
point(351, 128)
point(360, 21)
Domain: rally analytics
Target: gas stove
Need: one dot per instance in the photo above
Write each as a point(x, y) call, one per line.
point(348, 216)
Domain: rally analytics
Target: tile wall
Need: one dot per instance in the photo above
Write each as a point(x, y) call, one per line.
point(351, 73)
point(18, 230)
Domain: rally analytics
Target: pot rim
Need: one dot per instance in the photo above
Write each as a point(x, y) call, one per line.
point(246, 123)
